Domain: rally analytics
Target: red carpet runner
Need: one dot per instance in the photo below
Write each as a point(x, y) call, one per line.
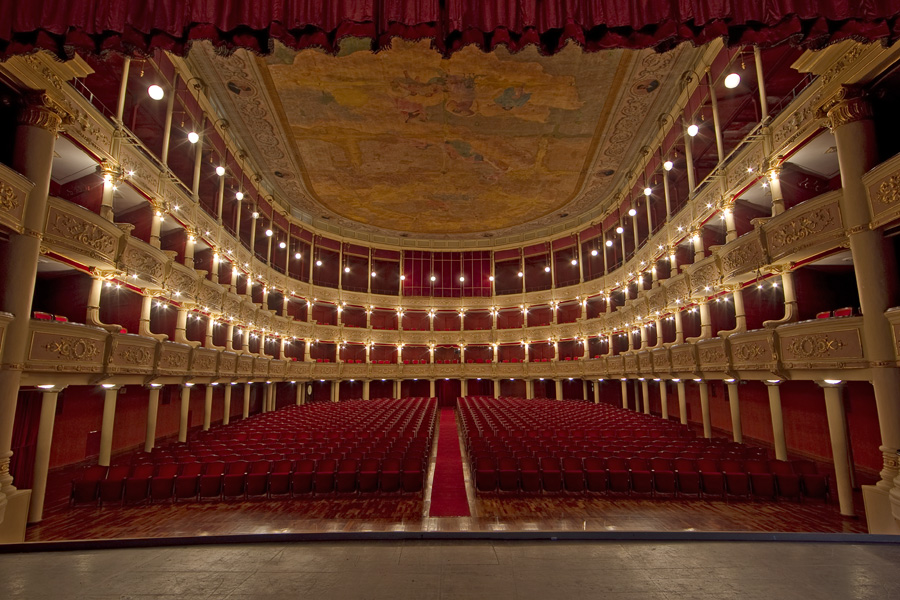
point(448, 492)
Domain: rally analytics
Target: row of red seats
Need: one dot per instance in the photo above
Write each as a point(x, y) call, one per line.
point(242, 479)
point(735, 478)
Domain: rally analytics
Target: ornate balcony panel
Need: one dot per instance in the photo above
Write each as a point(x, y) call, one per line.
point(66, 348)
point(145, 174)
point(232, 305)
point(204, 362)
point(173, 359)
point(423, 338)
point(354, 371)
point(703, 276)
point(662, 365)
point(573, 369)
point(712, 355)
point(615, 365)
point(645, 362)
point(535, 369)
point(742, 256)
point(656, 301)
point(683, 358)
point(631, 365)
point(299, 369)
point(129, 353)
point(753, 350)
point(481, 337)
point(261, 366)
point(227, 364)
point(14, 191)
point(511, 336)
point(883, 185)
point(277, 368)
point(75, 231)
point(244, 366)
point(791, 126)
point(822, 344)
point(677, 292)
point(182, 280)
point(810, 227)
point(210, 296)
point(477, 370)
point(149, 263)
point(326, 370)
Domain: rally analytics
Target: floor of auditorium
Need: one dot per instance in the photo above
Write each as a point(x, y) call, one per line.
point(524, 570)
point(409, 513)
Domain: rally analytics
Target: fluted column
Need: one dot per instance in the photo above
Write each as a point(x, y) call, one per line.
point(226, 405)
point(734, 404)
point(682, 401)
point(35, 139)
point(840, 446)
point(777, 418)
point(496, 388)
point(184, 412)
point(152, 415)
point(42, 453)
point(596, 392)
point(875, 270)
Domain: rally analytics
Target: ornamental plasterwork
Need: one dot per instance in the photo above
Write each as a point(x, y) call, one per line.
point(78, 349)
point(244, 364)
point(171, 358)
point(747, 254)
point(9, 200)
point(747, 352)
point(145, 264)
point(815, 346)
point(661, 359)
point(135, 356)
point(791, 235)
point(80, 234)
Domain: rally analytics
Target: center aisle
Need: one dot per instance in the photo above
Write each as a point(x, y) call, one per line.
point(448, 491)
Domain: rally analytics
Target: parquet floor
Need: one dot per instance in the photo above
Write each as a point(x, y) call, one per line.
point(407, 513)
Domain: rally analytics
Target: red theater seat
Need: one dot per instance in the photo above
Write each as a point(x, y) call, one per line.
point(573, 474)
point(390, 475)
point(211, 480)
point(137, 485)
point(508, 474)
point(485, 474)
point(345, 478)
point(85, 486)
point(551, 475)
point(529, 474)
point(163, 482)
point(368, 475)
point(234, 480)
point(413, 475)
point(112, 486)
point(596, 474)
point(257, 480)
point(188, 480)
point(302, 476)
point(325, 473)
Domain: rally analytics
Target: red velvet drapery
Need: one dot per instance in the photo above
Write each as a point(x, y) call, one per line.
point(64, 26)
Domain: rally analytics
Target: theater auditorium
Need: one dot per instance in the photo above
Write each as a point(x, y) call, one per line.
point(553, 280)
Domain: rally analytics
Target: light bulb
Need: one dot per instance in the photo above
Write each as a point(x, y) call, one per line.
point(433, 278)
point(574, 262)
point(403, 278)
point(318, 263)
point(647, 191)
point(156, 92)
point(491, 278)
point(282, 245)
point(461, 279)
point(374, 274)
point(609, 243)
point(732, 81)
point(239, 195)
point(547, 269)
point(346, 269)
point(631, 212)
point(521, 274)
point(693, 130)
point(220, 171)
point(593, 253)
point(269, 233)
point(668, 165)
point(619, 230)
point(298, 256)
point(193, 137)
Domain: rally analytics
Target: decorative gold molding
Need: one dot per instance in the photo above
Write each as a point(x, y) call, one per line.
point(847, 106)
point(40, 110)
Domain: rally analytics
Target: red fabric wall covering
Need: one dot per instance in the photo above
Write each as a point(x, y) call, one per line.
point(476, 320)
point(511, 352)
point(350, 390)
point(387, 279)
point(384, 319)
point(416, 320)
point(572, 389)
point(380, 388)
point(537, 277)
point(353, 316)
point(510, 319)
point(483, 353)
point(480, 387)
point(446, 353)
point(544, 388)
point(446, 320)
point(568, 312)
point(62, 27)
point(412, 388)
point(595, 307)
point(419, 353)
point(380, 352)
point(357, 279)
point(321, 391)
point(514, 388)
point(323, 350)
point(539, 315)
point(325, 314)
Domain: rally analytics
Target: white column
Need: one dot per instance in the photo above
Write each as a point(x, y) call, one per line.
point(152, 411)
point(226, 410)
point(167, 126)
point(185, 409)
point(624, 383)
point(763, 99)
point(704, 408)
point(42, 454)
point(682, 401)
point(645, 394)
point(559, 390)
point(840, 447)
point(584, 385)
point(735, 405)
point(246, 409)
point(777, 419)
point(107, 425)
point(464, 388)
point(207, 407)
point(714, 105)
point(664, 398)
point(299, 392)
point(431, 388)
point(123, 89)
point(596, 392)
point(496, 388)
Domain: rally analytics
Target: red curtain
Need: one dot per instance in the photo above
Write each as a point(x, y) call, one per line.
point(94, 26)
point(24, 441)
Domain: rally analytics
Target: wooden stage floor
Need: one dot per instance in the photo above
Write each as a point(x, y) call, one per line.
point(407, 513)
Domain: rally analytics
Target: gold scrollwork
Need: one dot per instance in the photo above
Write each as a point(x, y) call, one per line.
point(889, 190)
point(747, 352)
point(814, 346)
point(8, 200)
point(80, 349)
point(802, 227)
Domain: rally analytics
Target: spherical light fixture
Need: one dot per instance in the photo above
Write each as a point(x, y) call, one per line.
point(220, 170)
point(547, 269)
point(298, 256)
point(374, 274)
point(593, 253)
point(193, 137)
point(693, 130)
point(619, 230)
point(668, 165)
point(461, 278)
point(269, 232)
point(282, 245)
point(346, 269)
point(491, 278)
point(318, 263)
point(156, 92)
point(433, 278)
point(521, 274)
point(239, 195)
point(574, 262)
point(732, 81)
point(609, 243)
point(647, 191)
point(631, 212)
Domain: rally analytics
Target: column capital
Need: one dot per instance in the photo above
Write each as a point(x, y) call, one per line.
point(848, 105)
point(40, 110)
point(773, 382)
point(831, 383)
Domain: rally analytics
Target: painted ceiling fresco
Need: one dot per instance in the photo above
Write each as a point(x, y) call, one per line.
point(409, 141)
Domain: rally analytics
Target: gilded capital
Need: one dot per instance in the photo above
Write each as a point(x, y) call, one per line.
point(847, 106)
point(39, 110)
